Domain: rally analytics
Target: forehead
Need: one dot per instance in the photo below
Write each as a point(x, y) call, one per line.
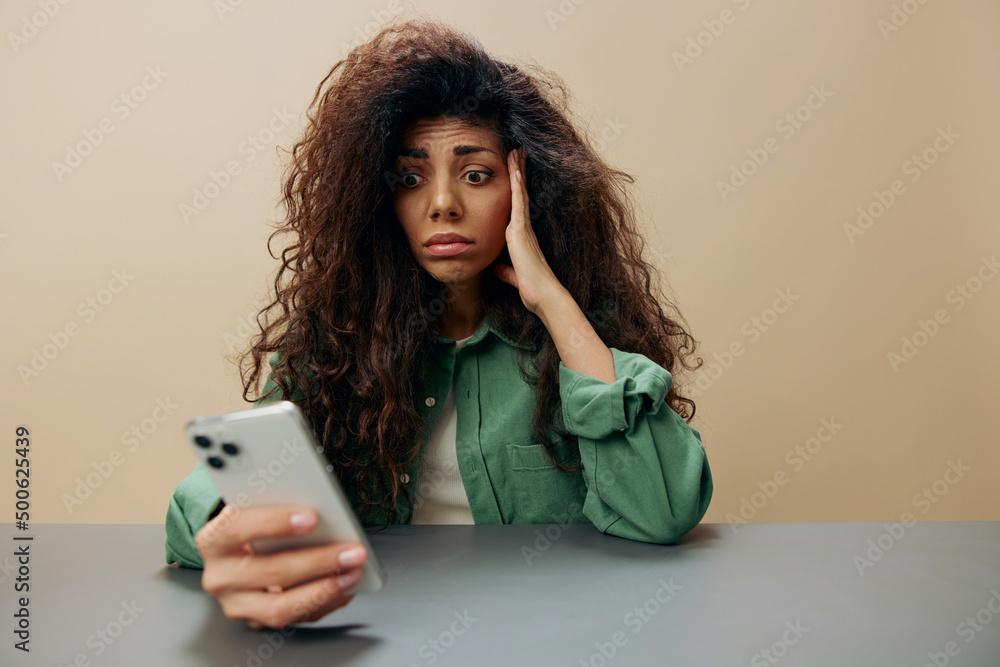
point(447, 132)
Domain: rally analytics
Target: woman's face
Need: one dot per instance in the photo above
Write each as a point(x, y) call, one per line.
point(452, 179)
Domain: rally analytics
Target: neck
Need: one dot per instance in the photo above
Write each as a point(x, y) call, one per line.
point(465, 313)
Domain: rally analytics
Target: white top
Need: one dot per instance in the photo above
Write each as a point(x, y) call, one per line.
point(440, 496)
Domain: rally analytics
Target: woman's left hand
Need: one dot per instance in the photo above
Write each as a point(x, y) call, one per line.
point(530, 273)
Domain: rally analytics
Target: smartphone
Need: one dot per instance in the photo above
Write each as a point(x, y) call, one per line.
point(268, 455)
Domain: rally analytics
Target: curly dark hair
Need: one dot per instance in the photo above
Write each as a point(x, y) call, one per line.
point(354, 314)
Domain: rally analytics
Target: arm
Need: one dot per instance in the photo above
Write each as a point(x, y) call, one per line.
point(646, 469)
point(194, 503)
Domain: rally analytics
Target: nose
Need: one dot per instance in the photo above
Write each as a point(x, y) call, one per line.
point(444, 201)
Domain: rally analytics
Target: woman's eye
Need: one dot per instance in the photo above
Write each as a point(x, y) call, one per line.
point(406, 183)
point(476, 177)
point(481, 179)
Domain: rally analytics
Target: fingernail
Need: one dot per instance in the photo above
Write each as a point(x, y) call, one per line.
point(301, 521)
point(348, 579)
point(351, 557)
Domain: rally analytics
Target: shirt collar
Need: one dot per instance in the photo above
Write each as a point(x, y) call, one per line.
point(485, 329)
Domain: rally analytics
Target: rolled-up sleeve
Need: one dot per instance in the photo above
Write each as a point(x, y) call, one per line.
point(191, 506)
point(646, 470)
point(195, 501)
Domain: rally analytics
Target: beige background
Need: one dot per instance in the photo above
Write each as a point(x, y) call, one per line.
point(680, 132)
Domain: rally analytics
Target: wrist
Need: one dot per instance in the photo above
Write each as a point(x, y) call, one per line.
point(553, 303)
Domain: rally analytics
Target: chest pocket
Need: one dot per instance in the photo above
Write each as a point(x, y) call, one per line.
point(543, 493)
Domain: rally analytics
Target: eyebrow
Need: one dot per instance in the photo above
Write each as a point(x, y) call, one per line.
point(464, 149)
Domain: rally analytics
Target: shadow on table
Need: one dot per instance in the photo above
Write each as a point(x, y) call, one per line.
point(700, 536)
point(223, 640)
point(591, 542)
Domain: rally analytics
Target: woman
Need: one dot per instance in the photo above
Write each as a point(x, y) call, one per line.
point(461, 259)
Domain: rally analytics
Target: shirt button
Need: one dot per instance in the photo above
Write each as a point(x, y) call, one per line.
point(429, 402)
point(404, 478)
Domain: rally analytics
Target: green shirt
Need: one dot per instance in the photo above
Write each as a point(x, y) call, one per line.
point(646, 476)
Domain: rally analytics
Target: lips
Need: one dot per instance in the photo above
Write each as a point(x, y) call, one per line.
point(446, 238)
point(447, 245)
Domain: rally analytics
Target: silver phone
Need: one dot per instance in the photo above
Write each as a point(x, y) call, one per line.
point(268, 455)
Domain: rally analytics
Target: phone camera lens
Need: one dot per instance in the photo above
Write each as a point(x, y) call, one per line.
point(215, 462)
point(202, 441)
point(230, 448)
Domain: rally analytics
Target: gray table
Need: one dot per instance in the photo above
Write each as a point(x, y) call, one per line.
point(472, 595)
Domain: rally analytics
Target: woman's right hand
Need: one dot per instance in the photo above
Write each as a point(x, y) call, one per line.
point(312, 580)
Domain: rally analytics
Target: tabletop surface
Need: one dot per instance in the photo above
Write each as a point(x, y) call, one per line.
point(811, 594)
